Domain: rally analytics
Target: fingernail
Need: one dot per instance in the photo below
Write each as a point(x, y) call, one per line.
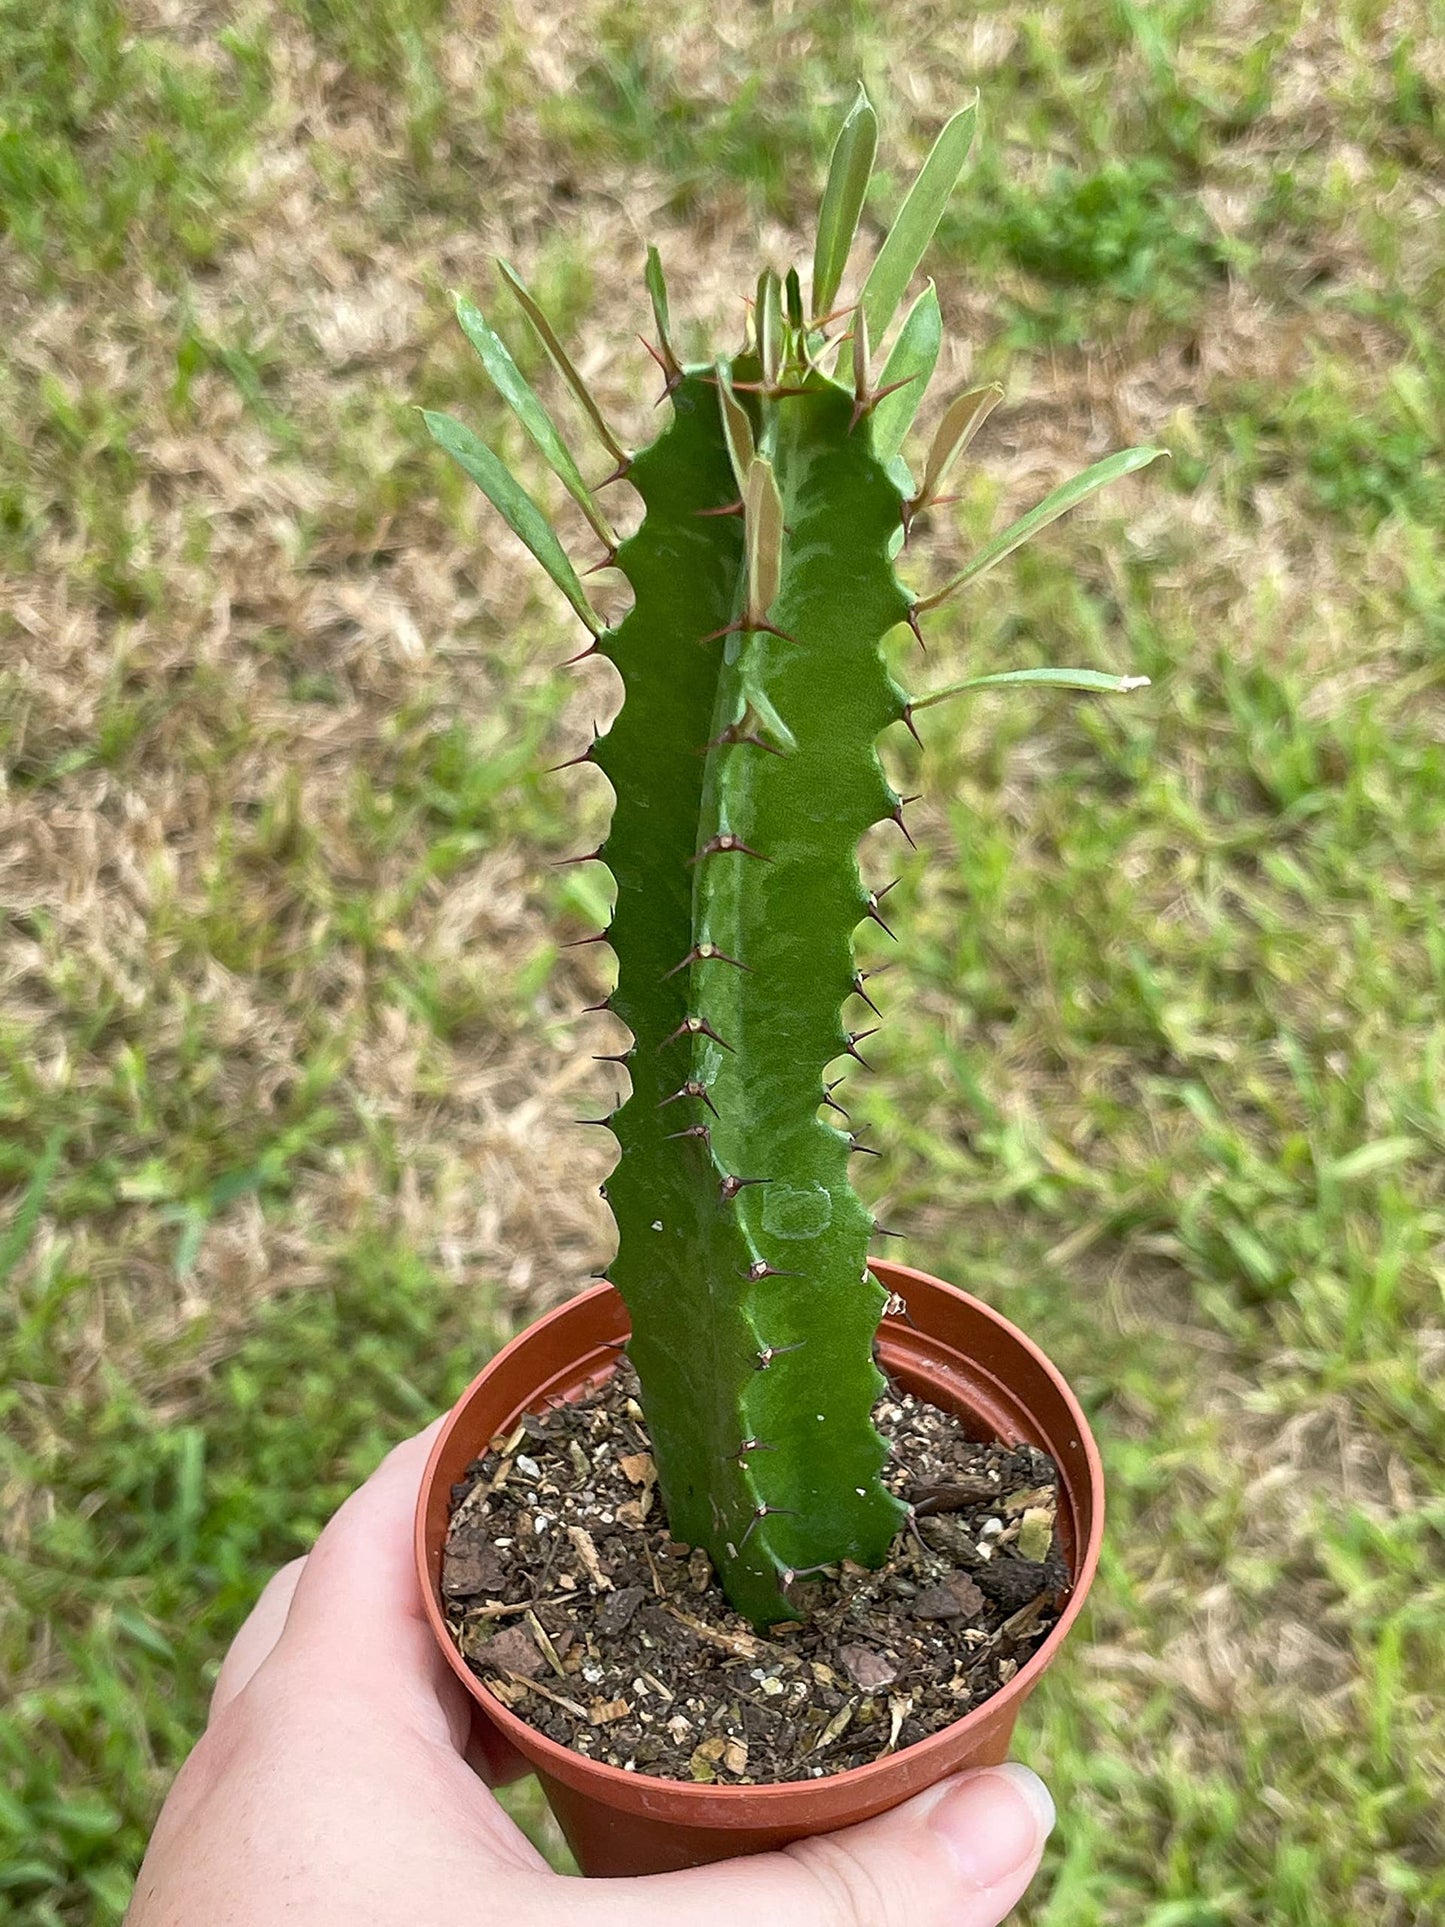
point(995, 1822)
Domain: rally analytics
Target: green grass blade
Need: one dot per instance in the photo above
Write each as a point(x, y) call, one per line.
point(15, 1241)
point(562, 362)
point(514, 505)
point(512, 385)
point(918, 217)
point(912, 361)
point(1094, 680)
point(1068, 496)
point(849, 172)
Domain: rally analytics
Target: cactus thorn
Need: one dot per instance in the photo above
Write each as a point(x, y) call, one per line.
point(587, 856)
point(725, 843)
point(834, 1105)
point(593, 1120)
point(692, 1088)
point(728, 508)
point(859, 991)
point(606, 1004)
point(898, 819)
point(694, 1027)
point(671, 373)
point(618, 474)
point(907, 717)
point(573, 761)
point(749, 1445)
point(761, 1269)
point(705, 953)
point(882, 1231)
point(864, 404)
point(855, 1037)
point(865, 1149)
point(579, 943)
point(760, 1513)
point(735, 733)
point(789, 1574)
point(912, 620)
point(613, 1057)
point(581, 655)
point(874, 898)
point(765, 1354)
point(731, 1186)
point(703, 1131)
point(749, 623)
point(607, 561)
point(910, 1524)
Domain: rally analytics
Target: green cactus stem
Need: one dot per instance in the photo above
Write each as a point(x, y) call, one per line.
point(744, 769)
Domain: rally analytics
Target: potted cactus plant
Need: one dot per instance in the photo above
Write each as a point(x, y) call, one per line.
point(743, 761)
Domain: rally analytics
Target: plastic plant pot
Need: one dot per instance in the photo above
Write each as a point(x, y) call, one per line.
point(952, 1350)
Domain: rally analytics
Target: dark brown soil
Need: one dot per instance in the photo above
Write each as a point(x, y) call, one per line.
point(569, 1598)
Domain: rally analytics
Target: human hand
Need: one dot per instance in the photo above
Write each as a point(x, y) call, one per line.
point(337, 1786)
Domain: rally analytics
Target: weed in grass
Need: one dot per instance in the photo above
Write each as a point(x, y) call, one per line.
point(1125, 232)
point(1364, 453)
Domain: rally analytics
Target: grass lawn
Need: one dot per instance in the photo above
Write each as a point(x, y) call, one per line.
point(288, 1049)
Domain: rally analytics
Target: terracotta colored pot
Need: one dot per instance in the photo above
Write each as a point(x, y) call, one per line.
point(953, 1351)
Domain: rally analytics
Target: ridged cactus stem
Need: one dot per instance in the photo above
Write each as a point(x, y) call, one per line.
point(742, 1244)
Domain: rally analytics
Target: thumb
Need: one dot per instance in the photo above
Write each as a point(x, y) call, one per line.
point(959, 1855)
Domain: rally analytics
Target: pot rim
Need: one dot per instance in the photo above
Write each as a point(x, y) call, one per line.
point(546, 1754)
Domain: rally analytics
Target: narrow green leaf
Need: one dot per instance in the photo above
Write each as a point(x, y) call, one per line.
point(1094, 680)
point(1068, 496)
point(962, 420)
point(657, 289)
point(514, 505)
point(860, 355)
point(793, 304)
point(849, 172)
point(737, 428)
point(917, 219)
point(768, 323)
point(902, 478)
point(562, 362)
point(763, 510)
point(912, 361)
point(512, 385)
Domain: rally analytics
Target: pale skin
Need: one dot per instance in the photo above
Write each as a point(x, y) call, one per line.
point(338, 1784)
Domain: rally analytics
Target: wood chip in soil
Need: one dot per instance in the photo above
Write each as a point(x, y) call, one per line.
point(568, 1596)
